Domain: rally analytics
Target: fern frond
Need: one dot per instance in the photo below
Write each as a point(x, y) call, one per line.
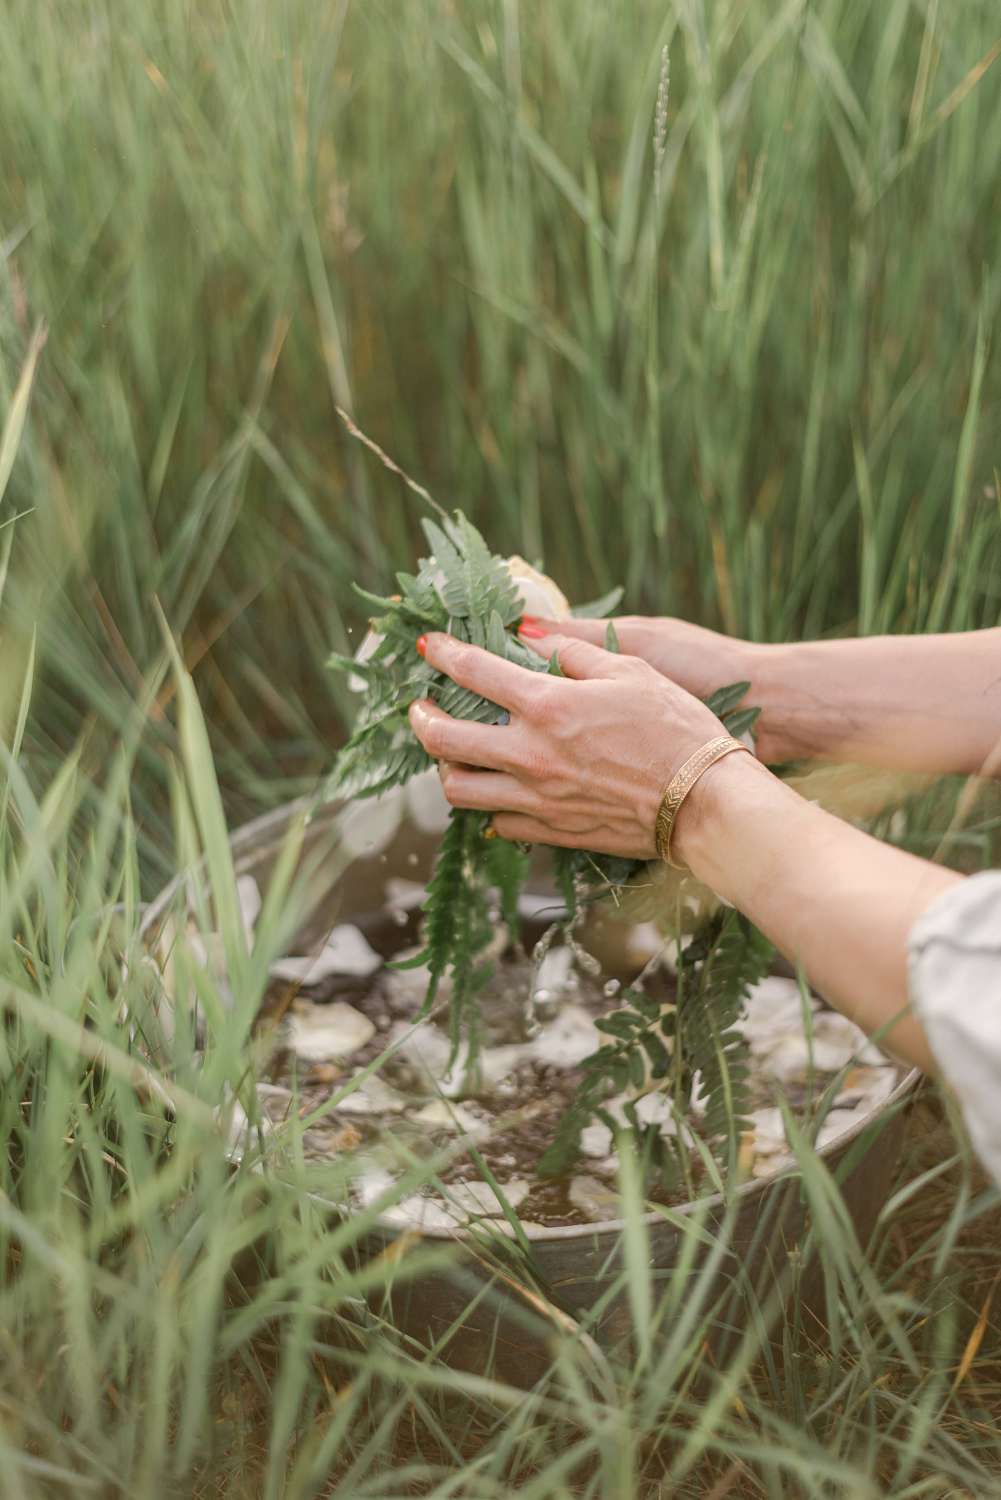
point(464, 588)
point(507, 870)
point(715, 977)
point(443, 904)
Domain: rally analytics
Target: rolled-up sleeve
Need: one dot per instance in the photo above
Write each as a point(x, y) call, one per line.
point(955, 981)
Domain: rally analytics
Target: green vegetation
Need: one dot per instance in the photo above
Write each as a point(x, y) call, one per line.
point(464, 588)
point(764, 394)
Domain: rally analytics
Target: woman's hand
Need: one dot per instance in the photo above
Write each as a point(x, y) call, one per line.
point(927, 704)
point(586, 757)
point(699, 660)
point(584, 762)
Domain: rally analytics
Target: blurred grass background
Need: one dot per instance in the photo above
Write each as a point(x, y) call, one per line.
point(764, 396)
point(759, 385)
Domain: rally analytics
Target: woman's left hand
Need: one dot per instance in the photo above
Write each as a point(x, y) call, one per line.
point(585, 759)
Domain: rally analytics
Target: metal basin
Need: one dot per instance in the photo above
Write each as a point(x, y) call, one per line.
point(577, 1272)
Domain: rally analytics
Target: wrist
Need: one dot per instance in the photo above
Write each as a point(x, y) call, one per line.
point(707, 824)
point(770, 669)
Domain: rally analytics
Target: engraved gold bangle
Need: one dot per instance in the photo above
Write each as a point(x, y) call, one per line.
point(681, 784)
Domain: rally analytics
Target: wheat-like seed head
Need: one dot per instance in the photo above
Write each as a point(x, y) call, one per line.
point(660, 117)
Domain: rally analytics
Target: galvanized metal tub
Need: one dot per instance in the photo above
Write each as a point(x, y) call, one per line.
point(575, 1272)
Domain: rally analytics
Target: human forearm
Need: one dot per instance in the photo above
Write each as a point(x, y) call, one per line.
point(911, 703)
point(583, 764)
point(830, 897)
point(929, 704)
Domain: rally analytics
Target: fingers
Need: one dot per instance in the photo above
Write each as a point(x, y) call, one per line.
point(577, 658)
point(480, 671)
point(520, 828)
point(488, 791)
point(458, 740)
point(579, 630)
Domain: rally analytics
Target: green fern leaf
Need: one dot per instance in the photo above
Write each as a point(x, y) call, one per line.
point(464, 588)
point(597, 609)
point(726, 698)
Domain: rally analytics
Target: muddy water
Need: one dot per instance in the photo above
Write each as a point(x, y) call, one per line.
point(498, 1120)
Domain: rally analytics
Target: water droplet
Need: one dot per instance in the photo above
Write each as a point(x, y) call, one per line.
point(411, 859)
point(545, 1005)
point(612, 988)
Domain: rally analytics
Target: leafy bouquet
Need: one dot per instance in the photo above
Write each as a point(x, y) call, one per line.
point(463, 588)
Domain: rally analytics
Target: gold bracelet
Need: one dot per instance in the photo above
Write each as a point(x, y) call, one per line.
point(681, 784)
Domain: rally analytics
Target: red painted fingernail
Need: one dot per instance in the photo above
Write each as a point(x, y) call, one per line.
point(532, 632)
point(530, 619)
point(422, 645)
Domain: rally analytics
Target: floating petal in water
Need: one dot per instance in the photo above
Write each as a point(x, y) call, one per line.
point(426, 802)
point(594, 1198)
point(346, 952)
point(322, 1032)
point(596, 1140)
point(439, 1114)
point(373, 1097)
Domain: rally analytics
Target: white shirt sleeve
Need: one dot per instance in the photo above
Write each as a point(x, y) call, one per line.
point(955, 982)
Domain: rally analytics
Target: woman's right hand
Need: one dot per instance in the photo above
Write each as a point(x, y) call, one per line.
point(702, 661)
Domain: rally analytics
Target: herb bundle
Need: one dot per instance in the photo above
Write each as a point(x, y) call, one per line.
point(463, 588)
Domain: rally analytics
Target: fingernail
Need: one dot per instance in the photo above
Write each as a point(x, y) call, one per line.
point(530, 619)
point(422, 645)
point(532, 632)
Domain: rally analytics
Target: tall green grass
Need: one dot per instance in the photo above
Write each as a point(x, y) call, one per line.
point(766, 396)
point(175, 1324)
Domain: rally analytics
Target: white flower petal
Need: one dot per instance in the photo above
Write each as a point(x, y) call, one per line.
point(596, 1199)
point(327, 1033)
point(367, 827)
point(539, 594)
point(440, 1114)
point(426, 802)
point(346, 952)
